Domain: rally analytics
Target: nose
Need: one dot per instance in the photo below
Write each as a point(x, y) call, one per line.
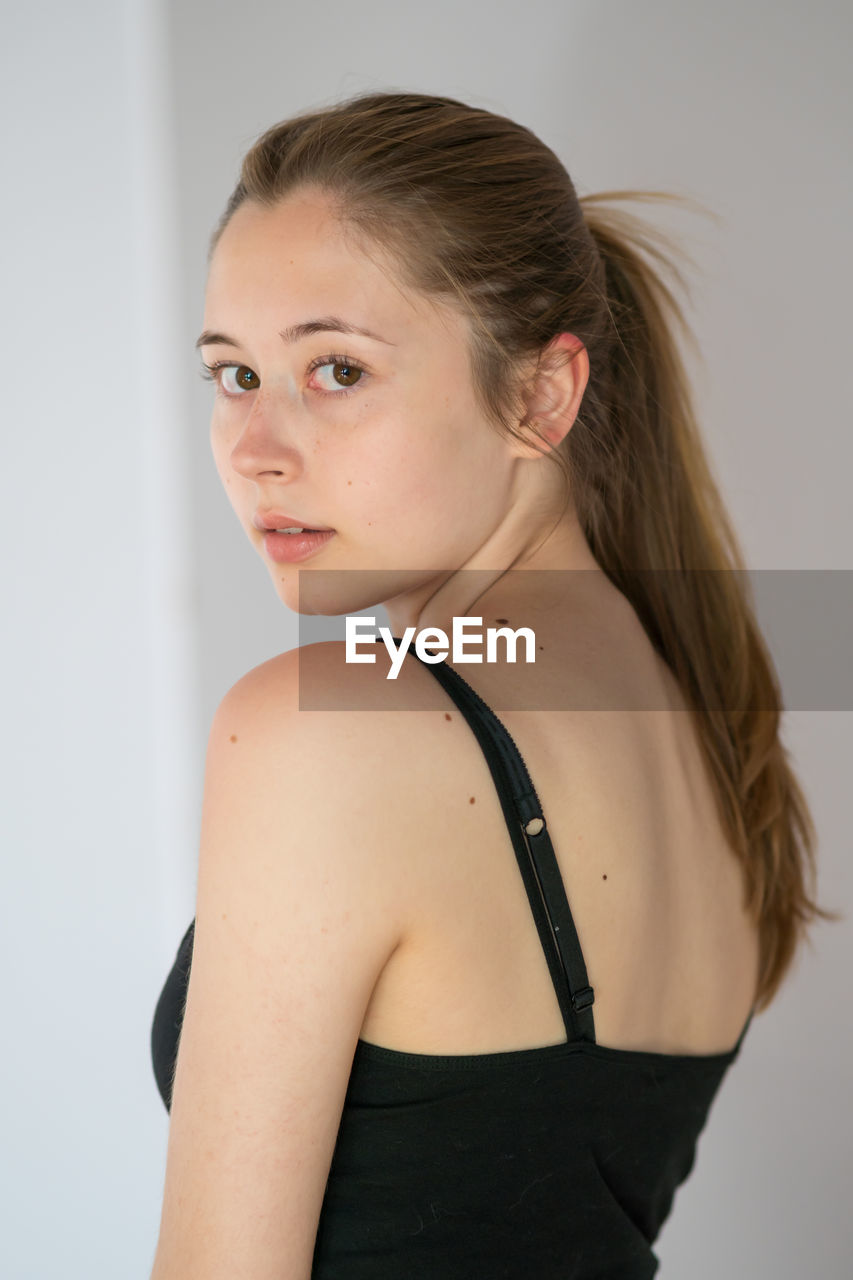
point(266, 443)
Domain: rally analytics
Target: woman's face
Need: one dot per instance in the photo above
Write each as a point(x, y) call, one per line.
point(378, 438)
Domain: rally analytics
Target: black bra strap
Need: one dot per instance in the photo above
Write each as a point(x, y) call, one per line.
point(533, 849)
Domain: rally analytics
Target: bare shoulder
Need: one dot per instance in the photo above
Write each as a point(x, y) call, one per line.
point(311, 696)
point(344, 742)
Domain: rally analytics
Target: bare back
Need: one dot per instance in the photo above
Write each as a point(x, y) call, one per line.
point(655, 892)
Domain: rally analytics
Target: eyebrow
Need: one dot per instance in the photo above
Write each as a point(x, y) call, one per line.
point(326, 324)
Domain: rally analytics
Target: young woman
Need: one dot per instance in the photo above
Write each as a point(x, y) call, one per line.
point(462, 986)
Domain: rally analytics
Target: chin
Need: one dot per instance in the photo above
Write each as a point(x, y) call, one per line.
point(328, 593)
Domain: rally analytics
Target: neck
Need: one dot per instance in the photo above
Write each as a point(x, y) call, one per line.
point(511, 576)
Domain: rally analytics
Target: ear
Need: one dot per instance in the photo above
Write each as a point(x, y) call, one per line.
point(553, 398)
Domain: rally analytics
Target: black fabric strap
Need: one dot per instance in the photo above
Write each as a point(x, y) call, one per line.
point(533, 849)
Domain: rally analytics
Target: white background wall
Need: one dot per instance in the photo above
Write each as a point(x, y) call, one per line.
point(134, 599)
point(102, 743)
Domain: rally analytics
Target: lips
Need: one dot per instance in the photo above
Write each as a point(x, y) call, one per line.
point(267, 520)
point(289, 548)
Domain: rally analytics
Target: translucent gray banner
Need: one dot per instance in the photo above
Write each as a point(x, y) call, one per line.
point(805, 619)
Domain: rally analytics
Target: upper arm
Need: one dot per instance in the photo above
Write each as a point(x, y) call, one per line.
point(297, 913)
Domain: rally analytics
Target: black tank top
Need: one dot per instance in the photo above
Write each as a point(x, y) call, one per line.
point(530, 1164)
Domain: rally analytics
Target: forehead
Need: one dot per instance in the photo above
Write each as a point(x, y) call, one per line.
point(273, 262)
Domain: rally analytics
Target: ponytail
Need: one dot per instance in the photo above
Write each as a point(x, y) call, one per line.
point(657, 525)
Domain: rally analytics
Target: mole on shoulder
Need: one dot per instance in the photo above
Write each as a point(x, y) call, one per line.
point(447, 715)
point(233, 737)
point(604, 877)
point(471, 801)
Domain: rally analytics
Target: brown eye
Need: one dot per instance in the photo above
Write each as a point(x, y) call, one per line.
point(246, 379)
point(335, 374)
point(346, 374)
point(232, 379)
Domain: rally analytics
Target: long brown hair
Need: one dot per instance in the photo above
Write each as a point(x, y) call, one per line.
point(475, 209)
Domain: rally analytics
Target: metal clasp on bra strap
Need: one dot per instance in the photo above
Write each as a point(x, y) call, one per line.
point(583, 999)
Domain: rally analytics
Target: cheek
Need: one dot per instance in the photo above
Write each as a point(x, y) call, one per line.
point(221, 450)
point(219, 455)
point(417, 479)
point(406, 474)
point(236, 487)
